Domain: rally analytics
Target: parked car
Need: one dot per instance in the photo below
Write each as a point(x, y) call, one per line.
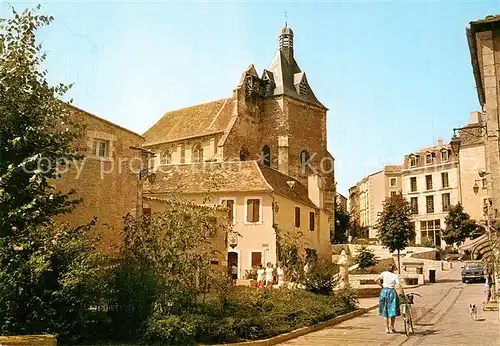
point(473, 271)
point(453, 257)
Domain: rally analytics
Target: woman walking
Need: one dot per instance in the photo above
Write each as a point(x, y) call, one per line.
point(388, 300)
point(260, 276)
point(488, 287)
point(269, 275)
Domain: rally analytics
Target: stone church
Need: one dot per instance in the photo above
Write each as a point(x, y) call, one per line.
point(269, 141)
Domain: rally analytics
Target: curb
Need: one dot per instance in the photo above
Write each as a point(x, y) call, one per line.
point(305, 330)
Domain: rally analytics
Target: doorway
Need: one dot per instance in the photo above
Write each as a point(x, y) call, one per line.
point(232, 258)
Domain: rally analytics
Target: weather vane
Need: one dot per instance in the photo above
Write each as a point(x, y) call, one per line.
point(286, 19)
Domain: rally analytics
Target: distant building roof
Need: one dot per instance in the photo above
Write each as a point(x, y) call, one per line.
point(196, 121)
point(393, 168)
point(241, 176)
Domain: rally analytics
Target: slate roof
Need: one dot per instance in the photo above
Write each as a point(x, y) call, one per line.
point(284, 73)
point(196, 121)
point(241, 176)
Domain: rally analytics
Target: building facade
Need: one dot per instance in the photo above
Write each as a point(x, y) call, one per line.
point(431, 185)
point(367, 197)
point(341, 202)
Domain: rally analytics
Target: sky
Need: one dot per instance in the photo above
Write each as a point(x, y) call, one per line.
point(395, 75)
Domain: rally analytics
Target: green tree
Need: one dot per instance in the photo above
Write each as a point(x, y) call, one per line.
point(46, 271)
point(37, 135)
point(459, 225)
point(341, 230)
point(394, 226)
point(365, 257)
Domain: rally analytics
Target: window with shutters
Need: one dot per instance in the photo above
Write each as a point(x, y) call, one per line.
point(312, 221)
point(297, 217)
point(253, 210)
point(256, 259)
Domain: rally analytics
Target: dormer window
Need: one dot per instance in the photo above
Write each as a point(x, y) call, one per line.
point(413, 161)
point(444, 155)
point(303, 88)
point(428, 158)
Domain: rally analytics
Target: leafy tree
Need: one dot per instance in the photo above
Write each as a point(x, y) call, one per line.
point(46, 271)
point(36, 131)
point(365, 257)
point(341, 230)
point(394, 225)
point(459, 225)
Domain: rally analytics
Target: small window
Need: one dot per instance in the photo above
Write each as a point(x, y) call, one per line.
point(446, 201)
point(166, 158)
point(413, 183)
point(444, 155)
point(197, 154)
point(243, 154)
point(229, 204)
point(253, 210)
point(414, 205)
point(393, 193)
point(413, 161)
point(256, 259)
point(100, 148)
point(429, 201)
point(311, 221)
point(303, 88)
point(266, 156)
point(444, 180)
point(304, 160)
point(428, 182)
point(485, 184)
point(393, 182)
point(297, 217)
point(428, 159)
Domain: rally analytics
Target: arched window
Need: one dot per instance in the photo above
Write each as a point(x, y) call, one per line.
point(266, 156)
point(243, 154)
point(197, 154)
point(166, 157)
point(304, 160)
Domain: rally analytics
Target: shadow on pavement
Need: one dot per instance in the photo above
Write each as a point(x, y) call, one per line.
point(426, 332)
point(444, 281)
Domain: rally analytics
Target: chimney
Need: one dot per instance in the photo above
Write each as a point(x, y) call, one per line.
point(475, 117)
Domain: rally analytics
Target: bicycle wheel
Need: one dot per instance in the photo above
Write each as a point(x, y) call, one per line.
point(410, 317)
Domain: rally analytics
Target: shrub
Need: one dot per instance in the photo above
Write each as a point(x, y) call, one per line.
point(251, 274)
point(321, 277)
point(365, 257)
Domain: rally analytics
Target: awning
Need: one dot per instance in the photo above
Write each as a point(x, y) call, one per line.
point(479, 247)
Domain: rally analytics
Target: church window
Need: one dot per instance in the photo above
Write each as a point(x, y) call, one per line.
point(166, 158)
point(304, 160)
point(183, 153)
point(243, 154)
point(266, 156)
point(197, 154)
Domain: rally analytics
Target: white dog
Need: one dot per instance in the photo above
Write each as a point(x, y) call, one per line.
point(473, 312)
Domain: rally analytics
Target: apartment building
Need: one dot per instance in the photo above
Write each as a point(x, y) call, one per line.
point(366, 198)
point(431, 184)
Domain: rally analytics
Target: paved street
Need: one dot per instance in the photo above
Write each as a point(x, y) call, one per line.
point(442, 316)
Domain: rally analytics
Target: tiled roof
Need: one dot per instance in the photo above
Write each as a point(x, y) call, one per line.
point(241, 176)
point(487, 19)
point(393, 168)
point(195, 121)
point(280, 185)
point(210, 176)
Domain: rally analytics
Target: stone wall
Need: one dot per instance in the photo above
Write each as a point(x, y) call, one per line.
point(108, 186)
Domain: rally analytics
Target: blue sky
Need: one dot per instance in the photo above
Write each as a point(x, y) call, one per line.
point(396, 76)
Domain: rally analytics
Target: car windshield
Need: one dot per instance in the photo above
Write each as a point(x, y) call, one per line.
point(473, 265)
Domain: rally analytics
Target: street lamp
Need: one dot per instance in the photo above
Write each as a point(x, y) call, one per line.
point(475, 188)
point(455, 144)
point(233, 240)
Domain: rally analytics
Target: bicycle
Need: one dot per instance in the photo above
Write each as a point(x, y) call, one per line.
point(406, 301)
